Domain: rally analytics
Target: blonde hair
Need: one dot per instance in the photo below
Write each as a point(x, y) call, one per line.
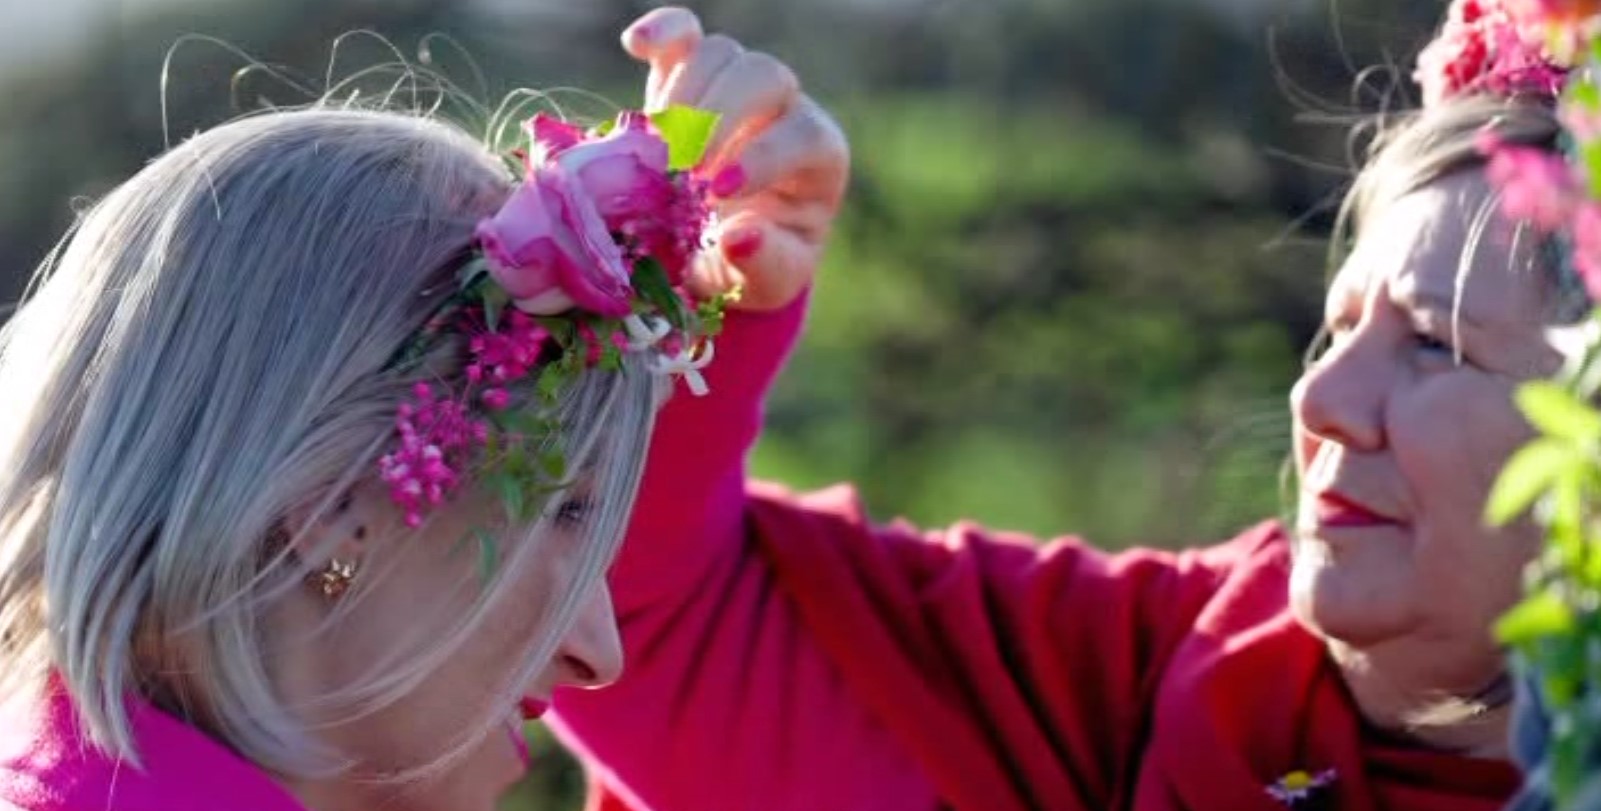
point(208, 355)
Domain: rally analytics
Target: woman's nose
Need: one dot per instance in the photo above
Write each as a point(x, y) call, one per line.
point(592, 653)
point(1341, 397)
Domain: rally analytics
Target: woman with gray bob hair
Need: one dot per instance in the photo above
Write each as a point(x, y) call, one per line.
point(249, 552)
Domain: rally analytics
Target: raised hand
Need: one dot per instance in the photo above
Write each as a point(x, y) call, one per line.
point(780, 161)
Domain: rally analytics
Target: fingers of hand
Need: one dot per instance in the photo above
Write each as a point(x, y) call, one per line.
point(664, 38)
point(690, 79)
point(773, 263)
point(749, 93)
point(803, 154)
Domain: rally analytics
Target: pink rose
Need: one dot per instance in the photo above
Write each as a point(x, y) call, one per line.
point(624, 172)
point(550, 136)
point(550, 250)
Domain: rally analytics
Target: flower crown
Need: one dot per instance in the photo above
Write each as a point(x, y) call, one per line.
point(1545, 50)
point(586, 260)
point(1498, 47)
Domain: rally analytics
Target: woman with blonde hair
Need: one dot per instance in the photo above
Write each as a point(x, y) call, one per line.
point(320, 433)
point(799, 656)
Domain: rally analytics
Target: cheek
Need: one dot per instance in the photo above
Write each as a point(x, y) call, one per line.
point(416, 606)
point(1450, 435)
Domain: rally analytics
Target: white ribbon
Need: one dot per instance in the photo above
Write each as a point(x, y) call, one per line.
point(645, 334)
point(642, 334)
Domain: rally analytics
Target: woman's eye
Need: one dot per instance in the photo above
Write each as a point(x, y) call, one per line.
point(574, 512)
point(1433, 345)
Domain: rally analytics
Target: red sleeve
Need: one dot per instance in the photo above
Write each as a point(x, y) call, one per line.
point(829, 664)
point(690, 501)
point(1019, 676)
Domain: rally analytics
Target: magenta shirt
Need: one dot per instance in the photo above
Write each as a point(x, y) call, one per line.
point(48, 764)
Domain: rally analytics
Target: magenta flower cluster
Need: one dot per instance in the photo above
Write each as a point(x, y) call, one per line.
point(438, 436)
point(1488, 46)
point(565, 251)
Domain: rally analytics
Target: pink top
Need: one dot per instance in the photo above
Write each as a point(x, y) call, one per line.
point(786, 654)
point(47, 764)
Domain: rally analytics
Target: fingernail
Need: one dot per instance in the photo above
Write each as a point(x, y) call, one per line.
point(729, 180)
point(742, 244)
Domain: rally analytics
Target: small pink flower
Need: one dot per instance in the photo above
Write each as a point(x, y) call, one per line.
point(550, 250)
point(496, 399)
point(1587, 246)
point(1535, 185)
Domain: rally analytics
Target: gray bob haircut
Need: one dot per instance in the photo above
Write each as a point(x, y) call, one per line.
point(209, 356)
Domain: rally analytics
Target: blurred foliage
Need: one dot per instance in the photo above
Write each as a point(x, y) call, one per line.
point(1081, 256)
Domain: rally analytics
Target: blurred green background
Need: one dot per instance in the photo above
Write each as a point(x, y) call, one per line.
point(1082, 252)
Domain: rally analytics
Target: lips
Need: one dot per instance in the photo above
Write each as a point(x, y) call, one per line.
point(1335, 510)
point(528, 709)
point(532, 708)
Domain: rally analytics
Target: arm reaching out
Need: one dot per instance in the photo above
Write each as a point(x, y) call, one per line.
point(780, 165)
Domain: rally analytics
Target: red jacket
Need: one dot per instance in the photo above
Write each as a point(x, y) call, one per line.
point(786, 653)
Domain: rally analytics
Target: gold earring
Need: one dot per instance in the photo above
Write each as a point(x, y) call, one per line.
point(335, 578)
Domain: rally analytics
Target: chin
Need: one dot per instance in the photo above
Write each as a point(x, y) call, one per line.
point(1340, 601)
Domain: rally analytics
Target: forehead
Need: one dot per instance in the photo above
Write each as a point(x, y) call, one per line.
point(1445, 238)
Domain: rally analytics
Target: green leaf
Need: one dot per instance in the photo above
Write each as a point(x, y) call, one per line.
point(554, 464)
point(1585, 94)
point(604, 128)
point(1590, 156)
point(711, 314)
point(1526, 476)
point(472, 273)
point(511, 495)
point(551, 380)
point(488, 554)
point(650, 282)
point(1540, 615)
point(1555, 411)
point(495, 300)
point(687, 132)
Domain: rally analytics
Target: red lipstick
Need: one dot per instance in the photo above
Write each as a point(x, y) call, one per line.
point(533, 708)
point(1335, 510)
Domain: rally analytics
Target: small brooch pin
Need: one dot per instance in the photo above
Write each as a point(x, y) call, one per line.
point(1299, 787)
